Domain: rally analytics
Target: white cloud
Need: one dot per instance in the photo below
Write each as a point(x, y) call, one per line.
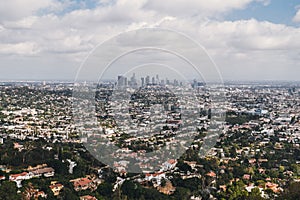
point(24, 23)
point(297, 16)
point(17, 9)
point(264, 2)
point(252, 35)
point(251, 49)
point(81, 30)
point(26, 48)
point(71, 36)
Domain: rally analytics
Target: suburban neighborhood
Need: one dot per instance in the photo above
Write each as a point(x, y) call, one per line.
point(43, 155)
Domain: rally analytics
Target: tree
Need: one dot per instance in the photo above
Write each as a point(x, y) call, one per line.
point(233, 153)
point(68, 194)
point(273, 173)
point(281, 168)
point(59, 167)
point(296, 169)
point(182, 193)
point(255, 194)
point(105, 189)
point(149, 193)
point(163, 182)
point(8, 191)
point(237, 191)
point(131, 189)
point(183, 166)
point(270, 193)
point(238, 171)
point(291, 193)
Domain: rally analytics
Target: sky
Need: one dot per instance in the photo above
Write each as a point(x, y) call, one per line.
point(248, 40)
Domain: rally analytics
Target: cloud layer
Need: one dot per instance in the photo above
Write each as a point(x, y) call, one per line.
point(297, 16)
point(49, 31)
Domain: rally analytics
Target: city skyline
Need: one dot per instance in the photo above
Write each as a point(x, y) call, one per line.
point(134, 80)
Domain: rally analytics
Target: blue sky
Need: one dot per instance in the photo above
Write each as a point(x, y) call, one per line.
point(277, 11)
point(247, 39)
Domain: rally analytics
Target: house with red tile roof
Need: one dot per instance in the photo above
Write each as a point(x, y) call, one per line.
point(2, 178)
point(155, 177)
point(273, 186)
point(19, 177)
point(46, 171)
point(211, 174)
point(81, 183)
point(252, 161)
point(32, 193)
point(170, 164)
point(56, 187)
point(88, 197)
point(246, 176)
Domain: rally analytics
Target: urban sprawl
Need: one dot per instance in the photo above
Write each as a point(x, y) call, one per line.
point(44, 154)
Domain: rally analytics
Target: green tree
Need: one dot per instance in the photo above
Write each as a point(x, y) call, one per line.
point(291, 193)
point(131, 189)
point(8, 191)
point(105, 189)
point(182, 193)
point(233, 153)
point(183, 166)
point(255, 194)
point(237, 191)
point(59, 167)
point(163, 182)
point(68, 194)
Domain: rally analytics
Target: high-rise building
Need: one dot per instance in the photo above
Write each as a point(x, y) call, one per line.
point(121, 81)
point(175, 82)
point(197, 84)
point(147, 80)
point(125, 81)
point(133, 82)
point(143, 81)
point(167, 81)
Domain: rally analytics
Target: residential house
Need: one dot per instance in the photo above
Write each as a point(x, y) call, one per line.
point(56, 187)
point(47, 172)
point(155, 177)
point(170, 164)
point(88, 197)
point(81, 183)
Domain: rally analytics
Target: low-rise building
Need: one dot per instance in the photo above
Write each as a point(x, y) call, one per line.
point(56, 187)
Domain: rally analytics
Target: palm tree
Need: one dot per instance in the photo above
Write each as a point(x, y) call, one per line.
point(29, 192)
point(28, 146)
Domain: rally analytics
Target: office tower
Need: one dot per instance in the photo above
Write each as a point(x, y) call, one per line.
point(133, 82)
point(167, 82)
point(120, 80)
point(147, 80)
point(143, 81)
point(125, 81)
point(175, 82)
